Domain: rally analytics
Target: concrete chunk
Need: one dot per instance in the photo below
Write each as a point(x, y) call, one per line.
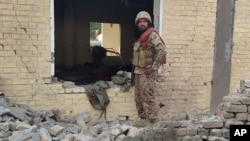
point(232, 99)
point(192, 138)
point(92, 123)
point(45, 136)
point(3, 110)
point(21, 135)
point(225, 133)
point(68, 137)
point(5, 134)
point(245, 100)
point(186, 123)
point(103, 137)
point(212, 123)
point(241, 116)
point(74, 129)
point(80, 121)
point(192, 131)
point(82, 138)
point(164, 124)
point(4, 102)
point(216, 132)
point(18, 112)
point(246, 91)
point(22, 126)
point(214, 138)
point(86, 116)
point(227, 115)
point(203, 132)
point(57, 114)
point(245, 83)
point(4, 126)
point(181, 131)
point(232, 122)
point(55, 130)
point(235, 108)
point(12, 126)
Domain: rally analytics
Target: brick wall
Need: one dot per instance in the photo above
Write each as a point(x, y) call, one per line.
point(25, 64)
point(189, 30)
point(25, 45)
point(25, 50)
point(241, 41)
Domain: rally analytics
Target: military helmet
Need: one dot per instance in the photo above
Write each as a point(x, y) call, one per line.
point(143, 15)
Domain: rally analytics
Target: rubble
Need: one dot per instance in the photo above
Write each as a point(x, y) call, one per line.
point(19, 123)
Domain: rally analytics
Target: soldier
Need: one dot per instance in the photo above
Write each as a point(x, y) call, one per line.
point(149, 53)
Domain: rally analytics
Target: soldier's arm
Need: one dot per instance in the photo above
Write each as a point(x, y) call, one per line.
point(160, 50)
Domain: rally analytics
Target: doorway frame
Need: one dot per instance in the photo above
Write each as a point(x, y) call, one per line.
point(157, 11)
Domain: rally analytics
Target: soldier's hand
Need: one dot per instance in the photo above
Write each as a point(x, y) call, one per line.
point(148, 71)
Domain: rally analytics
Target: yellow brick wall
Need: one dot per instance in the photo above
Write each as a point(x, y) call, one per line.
point(189, 31)
point(25, 52)
point(25, 44)
point(241, 44)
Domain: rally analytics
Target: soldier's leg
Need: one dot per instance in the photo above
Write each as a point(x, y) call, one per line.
point(149, 104)
point(138, 96)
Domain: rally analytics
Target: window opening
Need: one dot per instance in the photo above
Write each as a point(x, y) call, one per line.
point(75, 37)
point(106, 35)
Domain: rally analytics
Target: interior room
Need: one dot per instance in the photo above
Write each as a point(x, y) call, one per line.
point(94, 38)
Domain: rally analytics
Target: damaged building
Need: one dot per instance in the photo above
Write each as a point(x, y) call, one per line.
point(51, 49)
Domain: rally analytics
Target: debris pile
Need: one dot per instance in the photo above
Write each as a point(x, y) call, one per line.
point(18, 123)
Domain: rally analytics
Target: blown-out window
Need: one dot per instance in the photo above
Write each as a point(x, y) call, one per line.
point(106, 35)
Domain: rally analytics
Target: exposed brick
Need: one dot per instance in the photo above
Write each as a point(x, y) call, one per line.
point(227, 115)
point(55, 130)
point(203, 132)
point(212, 124)
point(241, 116)
point(216, 132)
point(245, 83)
point(235, 108)
point(181, 131)
point(225, 133)
point(192, 131)
point(232, 99)
point(68, 137)
point(232, 122)
point(164, 124)
point(248, 117)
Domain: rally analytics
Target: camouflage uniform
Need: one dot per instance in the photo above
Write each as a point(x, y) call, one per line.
point(145, 84)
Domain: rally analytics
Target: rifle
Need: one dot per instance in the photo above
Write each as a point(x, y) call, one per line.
point(132, 81)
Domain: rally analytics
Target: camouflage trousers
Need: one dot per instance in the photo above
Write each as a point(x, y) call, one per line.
point(145, 95)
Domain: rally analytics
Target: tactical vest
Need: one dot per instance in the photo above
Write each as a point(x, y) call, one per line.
point(143, 57)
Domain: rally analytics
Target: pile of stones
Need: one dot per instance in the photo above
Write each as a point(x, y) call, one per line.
point(18, 123)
